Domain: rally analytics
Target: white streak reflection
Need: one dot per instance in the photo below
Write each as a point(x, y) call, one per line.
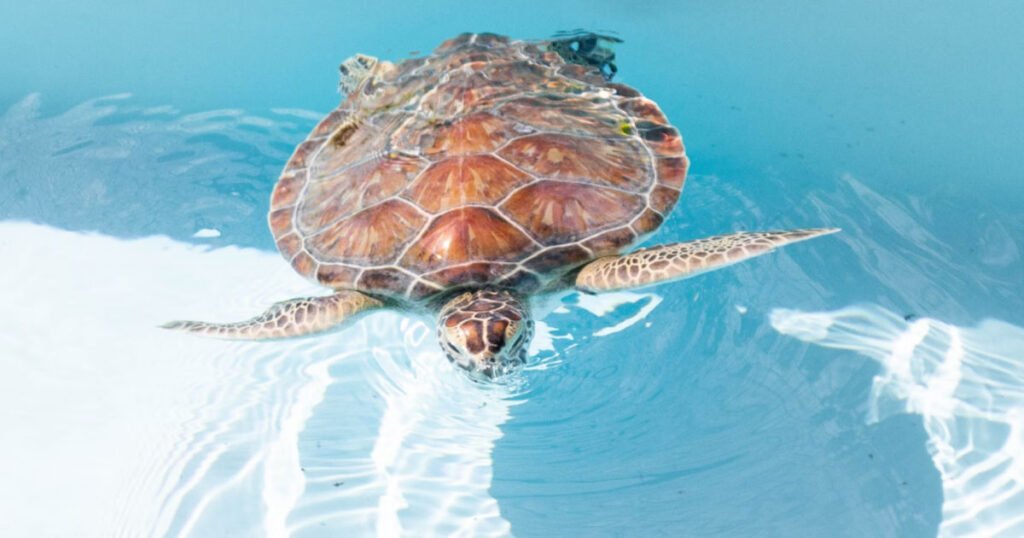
point(127, 430)
point(967, 383)
point(622, 308)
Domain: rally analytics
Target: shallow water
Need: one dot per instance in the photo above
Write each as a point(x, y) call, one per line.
point(864, 384)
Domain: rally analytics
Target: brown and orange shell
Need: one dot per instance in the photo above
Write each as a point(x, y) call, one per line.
point(489, 162)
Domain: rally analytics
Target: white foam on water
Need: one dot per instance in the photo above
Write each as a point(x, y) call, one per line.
point(606, 303)
point(128, 430)
point(652, 302)
point(549, 342)
point(207, 233)
point(967, 383)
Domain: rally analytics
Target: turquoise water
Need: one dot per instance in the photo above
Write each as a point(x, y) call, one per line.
point(865, 384)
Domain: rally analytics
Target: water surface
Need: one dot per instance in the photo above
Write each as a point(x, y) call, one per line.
point(865, 384)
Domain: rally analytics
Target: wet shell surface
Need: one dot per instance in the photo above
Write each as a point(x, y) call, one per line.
point(488, 162)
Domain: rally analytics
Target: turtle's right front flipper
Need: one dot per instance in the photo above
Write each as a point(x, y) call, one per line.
point(295, 317)
point(664, 263)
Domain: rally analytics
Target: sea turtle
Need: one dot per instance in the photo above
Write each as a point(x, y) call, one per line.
point(467, 181)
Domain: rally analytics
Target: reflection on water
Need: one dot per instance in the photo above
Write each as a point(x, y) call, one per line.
point(617, 310)
point(673, 409)
point(114, 166)
point(140, 432)
point(434, 445)
point(967, 383)
point(364, 431)
point(184, 436)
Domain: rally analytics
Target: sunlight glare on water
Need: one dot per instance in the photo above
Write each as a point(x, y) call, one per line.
point(349, 433)
point(198, 437)
point(736, 403)
point(967, 383)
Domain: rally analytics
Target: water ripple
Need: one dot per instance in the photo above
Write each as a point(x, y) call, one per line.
point(106, 164)
point(639, 414)
point(341, 434)
point(967, 383)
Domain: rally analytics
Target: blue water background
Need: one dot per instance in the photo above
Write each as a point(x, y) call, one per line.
point(899, 121)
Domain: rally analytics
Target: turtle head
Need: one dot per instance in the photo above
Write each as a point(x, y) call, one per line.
point(485, 331)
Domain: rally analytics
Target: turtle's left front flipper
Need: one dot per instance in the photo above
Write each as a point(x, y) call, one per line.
point(295, 317)
point(680, 260)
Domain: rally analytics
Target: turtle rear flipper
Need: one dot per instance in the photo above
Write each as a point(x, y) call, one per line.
point(680, 260)
point(587, 48)
point(295, 317)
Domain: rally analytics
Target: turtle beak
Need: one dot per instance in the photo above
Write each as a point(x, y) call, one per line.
point(490, 371)
point(486, 364)
point(493, 365)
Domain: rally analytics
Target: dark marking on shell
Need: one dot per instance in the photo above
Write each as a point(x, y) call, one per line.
point(387, 279)
point(556, 258)
point(343, 134)
point(336, 275)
